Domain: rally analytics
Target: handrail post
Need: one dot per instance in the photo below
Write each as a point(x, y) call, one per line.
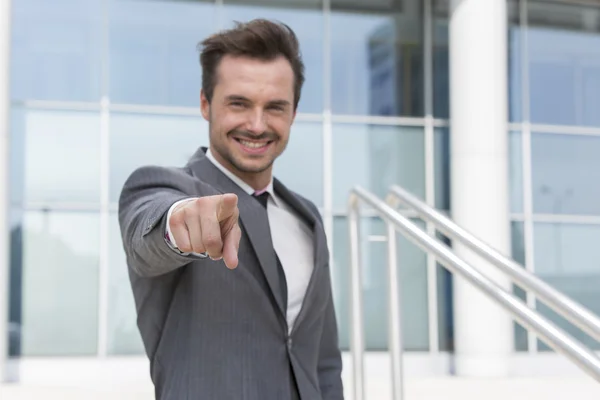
point(356, 333)
point(395, 316)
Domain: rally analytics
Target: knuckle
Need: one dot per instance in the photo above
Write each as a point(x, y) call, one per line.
point(212, 241)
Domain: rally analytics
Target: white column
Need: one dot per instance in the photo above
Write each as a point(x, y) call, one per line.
point(479, 176)
point(5, 17)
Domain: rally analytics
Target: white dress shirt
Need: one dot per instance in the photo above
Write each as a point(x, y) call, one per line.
point(292, 241)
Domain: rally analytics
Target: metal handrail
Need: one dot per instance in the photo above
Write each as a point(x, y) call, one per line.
point(554, 336)
point(568, 308)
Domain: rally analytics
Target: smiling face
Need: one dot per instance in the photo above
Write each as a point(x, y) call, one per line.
point(250, 115)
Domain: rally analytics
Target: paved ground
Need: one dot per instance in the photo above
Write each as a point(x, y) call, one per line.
point(416, 389)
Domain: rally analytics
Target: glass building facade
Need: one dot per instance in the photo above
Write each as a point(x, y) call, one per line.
point(100, 87)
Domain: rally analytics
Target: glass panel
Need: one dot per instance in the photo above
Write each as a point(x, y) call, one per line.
point(564, 50)
point(445, 296)
point(156, 140)
point(305, 17)
point(306, 143)
point(377, 58)
point(56, 50)
point(153, 57)
point(515, 61)
point(56, 156)
point(59, 293)
point(15, 284)
point(515, 151)
point(564, 168)
point(442, 168)
point(123, 334)
point(567, 257)
point(413, 279)
point(376, 156)
point(518, 254)
point(441, 60)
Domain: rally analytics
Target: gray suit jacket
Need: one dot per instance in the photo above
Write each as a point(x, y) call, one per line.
point(219, 334)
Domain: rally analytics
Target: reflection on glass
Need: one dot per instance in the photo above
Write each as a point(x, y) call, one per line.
point(565, 169)
point(306, 19)
point(375, 157)
point(515, 84)
point(56, 50)
point(123, 334)
point(518, 255)
point(442, 168)
point(377, 59)
point(567, 257)
point(56, 156)
point(139, 139)
point(441, 60)
point(59, 311)
point(515, 159)
point(305, 149)
point(445, 298)
point(413, 287)
point(564, 64)
point(153, 57)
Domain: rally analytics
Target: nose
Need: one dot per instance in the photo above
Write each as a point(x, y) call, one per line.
point(257, 122)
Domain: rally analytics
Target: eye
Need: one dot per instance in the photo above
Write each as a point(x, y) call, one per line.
point(276, 108)
point(237, 104)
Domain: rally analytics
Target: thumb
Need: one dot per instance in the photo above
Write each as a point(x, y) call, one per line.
point(227, 206)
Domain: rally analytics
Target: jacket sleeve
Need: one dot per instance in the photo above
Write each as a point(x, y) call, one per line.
point(146, 197)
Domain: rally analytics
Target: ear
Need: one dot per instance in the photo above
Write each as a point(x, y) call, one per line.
point(204, 105)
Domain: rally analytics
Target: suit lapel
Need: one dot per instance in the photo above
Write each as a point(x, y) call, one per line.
point(253, 220)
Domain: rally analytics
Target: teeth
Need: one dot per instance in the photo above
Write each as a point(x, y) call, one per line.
point(253, 145)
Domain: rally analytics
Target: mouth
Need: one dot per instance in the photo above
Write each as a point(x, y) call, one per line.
point(254, 146)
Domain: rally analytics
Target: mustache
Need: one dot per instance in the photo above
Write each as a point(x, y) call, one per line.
point(269, 136)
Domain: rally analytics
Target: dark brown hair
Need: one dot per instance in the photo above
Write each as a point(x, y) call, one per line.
point(261, 39)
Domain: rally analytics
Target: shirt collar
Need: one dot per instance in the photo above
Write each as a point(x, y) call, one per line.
point(245, 187)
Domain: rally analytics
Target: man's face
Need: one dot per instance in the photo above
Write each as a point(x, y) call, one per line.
point(250, 115)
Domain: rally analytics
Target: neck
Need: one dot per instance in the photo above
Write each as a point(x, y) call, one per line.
point(256, 180)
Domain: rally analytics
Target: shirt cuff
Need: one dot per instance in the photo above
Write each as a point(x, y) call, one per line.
point(170, 239)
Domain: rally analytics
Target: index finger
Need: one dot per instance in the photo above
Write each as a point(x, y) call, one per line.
point(227, 206)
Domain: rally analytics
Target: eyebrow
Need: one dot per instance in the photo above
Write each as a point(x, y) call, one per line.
point(236, 97)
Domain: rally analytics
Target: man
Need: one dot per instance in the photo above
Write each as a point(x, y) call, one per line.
point(229, 268)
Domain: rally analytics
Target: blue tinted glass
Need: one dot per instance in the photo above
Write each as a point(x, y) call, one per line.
point(441, 60)
point(565, 169)
point(307, 24)
point(56, 156)
point(442, 168)
point(56, 50)
point(59, 257)
point(153, 56)
point(306, 144)
point(515, 160)
point(164, 140)
point(518, 254)
point(567, 256)
point(564, 65)
point(413, 287)
point(515, 88)
point(375, 157)
point(123, 334)
point(377, 61)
